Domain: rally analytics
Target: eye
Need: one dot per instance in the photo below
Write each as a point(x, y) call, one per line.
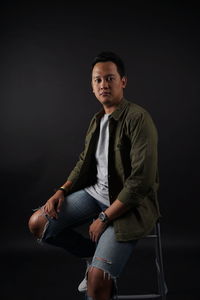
point(110, 78)
point(97, 80)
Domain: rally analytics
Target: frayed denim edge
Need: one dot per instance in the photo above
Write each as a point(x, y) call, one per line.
point(39, 240)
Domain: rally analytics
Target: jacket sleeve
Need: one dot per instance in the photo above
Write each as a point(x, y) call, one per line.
point(143, 155)
point(73, 176)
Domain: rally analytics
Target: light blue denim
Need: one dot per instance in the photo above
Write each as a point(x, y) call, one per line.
point(108, 254)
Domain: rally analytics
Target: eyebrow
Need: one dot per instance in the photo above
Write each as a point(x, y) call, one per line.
point(104, 76)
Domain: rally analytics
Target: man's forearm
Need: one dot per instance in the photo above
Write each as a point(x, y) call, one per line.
point(67, 185)
point(116, 209)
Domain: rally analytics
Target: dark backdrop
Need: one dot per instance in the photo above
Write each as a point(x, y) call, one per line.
point(46, 101)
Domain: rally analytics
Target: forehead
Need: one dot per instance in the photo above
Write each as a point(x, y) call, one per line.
point(104, 68)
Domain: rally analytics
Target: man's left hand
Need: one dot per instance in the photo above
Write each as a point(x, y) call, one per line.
point(96, 229)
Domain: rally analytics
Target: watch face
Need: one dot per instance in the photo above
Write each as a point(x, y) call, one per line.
point(102, 216)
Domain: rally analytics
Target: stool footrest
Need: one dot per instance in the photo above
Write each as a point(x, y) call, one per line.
point(145, 296)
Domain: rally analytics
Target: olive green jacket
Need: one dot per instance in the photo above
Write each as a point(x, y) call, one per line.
point(132, 168)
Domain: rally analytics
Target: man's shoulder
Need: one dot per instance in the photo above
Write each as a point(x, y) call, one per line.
point(138, 114)
point(136, 109)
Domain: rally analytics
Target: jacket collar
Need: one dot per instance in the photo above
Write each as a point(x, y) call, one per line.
point(117, 113)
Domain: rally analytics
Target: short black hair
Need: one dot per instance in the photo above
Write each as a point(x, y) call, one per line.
point(113, 57)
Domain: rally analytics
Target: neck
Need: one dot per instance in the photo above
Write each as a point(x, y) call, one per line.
point(109, 109)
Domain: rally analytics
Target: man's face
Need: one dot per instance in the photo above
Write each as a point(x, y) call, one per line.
point(107, 84)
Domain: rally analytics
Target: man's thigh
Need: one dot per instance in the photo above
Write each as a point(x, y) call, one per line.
point(77, 208)
point(111, 256)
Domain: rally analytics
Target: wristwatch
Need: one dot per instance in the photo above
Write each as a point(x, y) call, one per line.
point(103, 217)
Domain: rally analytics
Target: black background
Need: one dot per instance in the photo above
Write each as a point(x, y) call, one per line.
point(46, 104)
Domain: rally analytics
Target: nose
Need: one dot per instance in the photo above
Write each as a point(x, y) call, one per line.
point(104, 84)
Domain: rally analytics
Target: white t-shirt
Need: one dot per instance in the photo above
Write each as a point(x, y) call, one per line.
point(100, 190)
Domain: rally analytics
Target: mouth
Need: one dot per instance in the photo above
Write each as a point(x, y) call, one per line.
point(104, 94)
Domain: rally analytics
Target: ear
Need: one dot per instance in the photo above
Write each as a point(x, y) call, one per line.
point(92, 87)
point(124, 81)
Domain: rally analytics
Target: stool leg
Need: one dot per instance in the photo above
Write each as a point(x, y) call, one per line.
point(159, 264)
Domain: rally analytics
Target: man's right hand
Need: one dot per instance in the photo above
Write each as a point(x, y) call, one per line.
point(53, 205)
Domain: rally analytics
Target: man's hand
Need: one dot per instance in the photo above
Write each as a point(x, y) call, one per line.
point(53, 205)
point(96, 229)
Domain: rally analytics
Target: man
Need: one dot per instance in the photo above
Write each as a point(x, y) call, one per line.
point(114, 184)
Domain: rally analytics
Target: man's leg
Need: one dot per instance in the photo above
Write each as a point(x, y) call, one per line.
point(37, 223)
point(108, 262)
point(100, 285)
point(78, 207)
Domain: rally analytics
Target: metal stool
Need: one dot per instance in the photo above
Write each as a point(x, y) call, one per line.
point(162, 287)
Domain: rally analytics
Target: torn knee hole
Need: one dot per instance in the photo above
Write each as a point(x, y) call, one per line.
point(104, 260)
point(41, 212)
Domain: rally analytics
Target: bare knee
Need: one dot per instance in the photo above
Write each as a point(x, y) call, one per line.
point(37, 223)
point(99, 284)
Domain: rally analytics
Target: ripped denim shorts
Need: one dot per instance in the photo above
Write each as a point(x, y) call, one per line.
point(108, 254)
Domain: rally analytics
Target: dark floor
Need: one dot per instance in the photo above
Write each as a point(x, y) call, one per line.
point(30, 271)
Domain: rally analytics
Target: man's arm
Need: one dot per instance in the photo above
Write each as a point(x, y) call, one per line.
point(116, 209)
point(74, 175)
point(53, 204)
point(66, 186)
point(143, 155)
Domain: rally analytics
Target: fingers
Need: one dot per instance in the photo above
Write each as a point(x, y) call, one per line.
point(60, 202)
point(91, 234)
point(53, 206)
point(50, 211)
point(96, 229)
point(94, 234)
point(94, 237)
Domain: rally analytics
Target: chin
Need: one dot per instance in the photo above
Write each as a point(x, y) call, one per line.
point(106, 101)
